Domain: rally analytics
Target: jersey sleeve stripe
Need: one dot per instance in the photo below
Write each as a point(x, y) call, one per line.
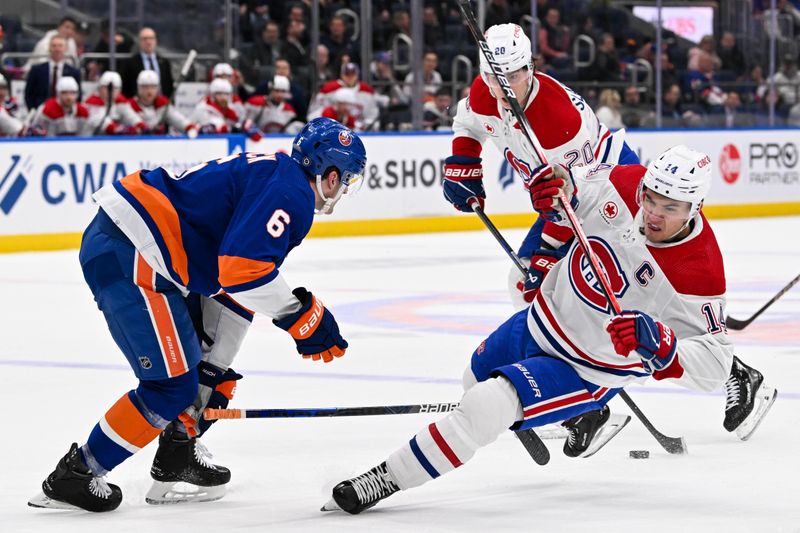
point(163, 213)
point(466, 146)
point(235, 270)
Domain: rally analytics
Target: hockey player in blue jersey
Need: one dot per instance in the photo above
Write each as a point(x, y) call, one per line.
point(178, 265)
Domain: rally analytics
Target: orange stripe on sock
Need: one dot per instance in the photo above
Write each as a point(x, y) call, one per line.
point(126, 420)
point(237, 270)
point(165, 217)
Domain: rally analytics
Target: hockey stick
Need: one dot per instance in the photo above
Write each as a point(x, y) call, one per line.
point(738, 325)
point(316, 412)
point(109, 103)
point(181, 77)
point(667, 442)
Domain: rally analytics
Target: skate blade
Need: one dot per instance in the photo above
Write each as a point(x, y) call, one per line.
point(765, 397)
point(172, 492)
point(330, 506)
point(607, 432)
point(41, 501)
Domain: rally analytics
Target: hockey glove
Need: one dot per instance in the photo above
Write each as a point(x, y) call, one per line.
point(542, 263)
point(314, 329)
point(216, 389)
point(548, 182)
point(463, 180)
point(655, 342)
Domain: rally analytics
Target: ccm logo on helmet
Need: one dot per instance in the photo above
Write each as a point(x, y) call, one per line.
point(703, 162)
point(583, 280)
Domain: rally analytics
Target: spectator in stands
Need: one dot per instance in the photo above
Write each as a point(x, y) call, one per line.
point(341, 108)
point(389, 95)
point(431, 28)
point(497, 12)
point(337, 40)
point(609, 111)
point(730, 55)
point(155, 111)
point(292, 48)
point(110, 113)
point(787, 33)
point(213, 114)
point(787, 81)
point(606, 66)
point(258, 65)
point(62, 114)
point(554, 40)
point(66, 30)
point(733, 114)
point(10, 124)
point(633, 112)
point(324, 71)
point(271, 113)
point(146, 59)
point(366, 110)
point(436, 114)
point(252, 18)
point(672, 113)
point(122, 45)
point(42, 78)
point(708, 47)
point(431, 79)
point(794, 117)
point(754, 87)
point(701, 84)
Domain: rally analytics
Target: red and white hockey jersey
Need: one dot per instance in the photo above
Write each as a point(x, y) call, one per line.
point(271, 118)
point(10, 126)
point(681, 284)
point(160, 116)
point(54, 120)
point(365, 109)
point(208, 113)
point(121, 117)
point(562, 121)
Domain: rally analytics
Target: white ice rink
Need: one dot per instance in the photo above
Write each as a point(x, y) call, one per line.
point(413, 309)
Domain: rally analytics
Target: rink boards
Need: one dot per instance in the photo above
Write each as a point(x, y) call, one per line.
point(46, 185)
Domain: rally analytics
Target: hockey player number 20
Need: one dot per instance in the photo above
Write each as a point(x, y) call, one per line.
point(277, 222)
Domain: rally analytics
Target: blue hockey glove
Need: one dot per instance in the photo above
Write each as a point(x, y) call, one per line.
point(655, 342)
point(463, 180)
point(542, 263)
point(217, 387)
point(548, 182)
point(314, 329)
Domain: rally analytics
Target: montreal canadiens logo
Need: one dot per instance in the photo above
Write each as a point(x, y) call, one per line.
point(586, 284)
point(610, 210)
point(345, 138)
point(730, 163)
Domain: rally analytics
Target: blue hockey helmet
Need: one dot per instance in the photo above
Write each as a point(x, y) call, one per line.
point(324, 143)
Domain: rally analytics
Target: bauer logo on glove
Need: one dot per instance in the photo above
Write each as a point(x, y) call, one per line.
point(313, 328)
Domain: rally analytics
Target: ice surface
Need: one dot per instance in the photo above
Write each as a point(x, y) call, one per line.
point(413, 309)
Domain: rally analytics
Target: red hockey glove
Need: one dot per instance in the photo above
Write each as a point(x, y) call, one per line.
point(655, 342)
point(549, 181)
point(542, 263)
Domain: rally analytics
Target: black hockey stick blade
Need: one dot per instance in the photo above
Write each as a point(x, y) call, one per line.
point(534, 446)
point(673, 445)
point(738, 325)
point(317, 412)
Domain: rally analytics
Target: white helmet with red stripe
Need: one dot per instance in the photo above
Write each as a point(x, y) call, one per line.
point(510, 46)
point(681, 174)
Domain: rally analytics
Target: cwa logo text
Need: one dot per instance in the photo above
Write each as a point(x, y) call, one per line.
point(59, 182)
point(774, 163)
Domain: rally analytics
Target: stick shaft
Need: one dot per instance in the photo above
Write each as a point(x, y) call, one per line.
point(318, 412)
point(737, 325)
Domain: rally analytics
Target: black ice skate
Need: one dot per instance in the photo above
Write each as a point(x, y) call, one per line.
point(362, 492)
point(73, 486)
point(748, 399)
point(183, 459)
point(588, 432)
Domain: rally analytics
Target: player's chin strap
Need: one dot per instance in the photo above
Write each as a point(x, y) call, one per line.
point(327, 207)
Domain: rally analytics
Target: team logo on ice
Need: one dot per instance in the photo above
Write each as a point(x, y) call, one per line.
point(610, 210)
point(345, 139)
point(584, 282)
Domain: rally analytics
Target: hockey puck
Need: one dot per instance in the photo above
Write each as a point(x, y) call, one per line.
point(639, 454)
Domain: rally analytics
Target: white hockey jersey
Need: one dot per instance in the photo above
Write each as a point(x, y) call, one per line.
point(10, 126)
point(52, 119)
point(120, 115)
point(160, 116)
point(680, 284)
point(271, 118)
point(208, 113)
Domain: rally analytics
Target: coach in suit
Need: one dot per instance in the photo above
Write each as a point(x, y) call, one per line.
point(41, 81)
point(146, 59)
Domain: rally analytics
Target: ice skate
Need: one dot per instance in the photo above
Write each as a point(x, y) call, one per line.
point(589, 432)
point(182, 472)
point(362, 492)
point(73, 486)
point(748, 399)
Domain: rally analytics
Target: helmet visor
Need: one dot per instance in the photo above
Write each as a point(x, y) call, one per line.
point(352, 181)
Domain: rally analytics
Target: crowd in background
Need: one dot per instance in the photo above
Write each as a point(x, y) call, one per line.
point(274, 85)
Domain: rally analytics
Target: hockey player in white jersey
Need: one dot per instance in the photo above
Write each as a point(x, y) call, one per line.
point(568, 354)
point(155, 110)
point(116, 117)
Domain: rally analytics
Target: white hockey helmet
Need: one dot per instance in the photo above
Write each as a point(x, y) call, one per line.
point(111, 77)
point(344, 96)
point(147, 77)
point(220, 85)
point(281, 83)
point(66, 84)
point(510, 46)
point(222, 69)
point(681, 174)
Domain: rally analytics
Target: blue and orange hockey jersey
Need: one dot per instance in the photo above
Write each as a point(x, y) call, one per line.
point(224, 225)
